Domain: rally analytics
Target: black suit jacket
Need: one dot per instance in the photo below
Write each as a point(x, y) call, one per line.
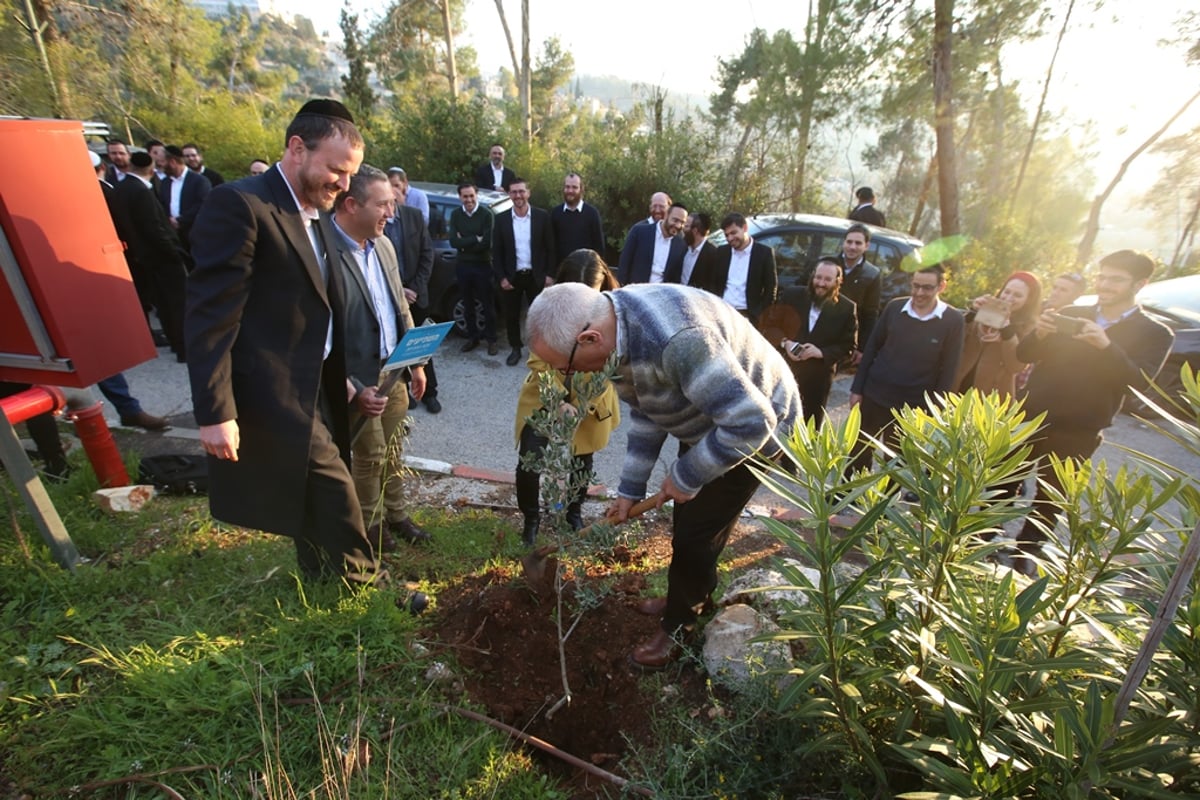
point(362, 322)
point(703, 266)
point(868, 214)
point(143, 225)
point(637, 256)
point(258, 310)
point(195, 189)
point(863, 285)
point(761, 281)
point(215, 178)
point(413, 246)
point(486, 179)
point(541, 247)
point(836, 331)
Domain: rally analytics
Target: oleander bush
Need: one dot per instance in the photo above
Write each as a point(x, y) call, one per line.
point(936, 670)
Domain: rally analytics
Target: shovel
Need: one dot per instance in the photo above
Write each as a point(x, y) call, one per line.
point(533, 563)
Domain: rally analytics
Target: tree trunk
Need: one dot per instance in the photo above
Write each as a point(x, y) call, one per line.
point(45, 36)
point(1093, 223)
point(1041, 109)
point(526, 77)
point(520, 66)
point(926, 185)
point(1188, 233)
point(451, 67)
point(943, 104)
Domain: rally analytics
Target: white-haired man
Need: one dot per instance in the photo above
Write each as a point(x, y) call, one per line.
point(690, 367)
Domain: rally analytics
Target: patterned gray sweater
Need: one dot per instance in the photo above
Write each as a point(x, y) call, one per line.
point(694, 368)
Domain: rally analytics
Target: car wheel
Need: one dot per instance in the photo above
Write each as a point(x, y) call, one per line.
point(460, 316)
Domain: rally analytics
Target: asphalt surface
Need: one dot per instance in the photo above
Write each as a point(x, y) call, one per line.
point(475, 428)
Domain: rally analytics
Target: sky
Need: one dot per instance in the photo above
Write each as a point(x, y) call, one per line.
point(1114, 83)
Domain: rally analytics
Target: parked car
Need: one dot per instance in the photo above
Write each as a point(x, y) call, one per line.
point(800, 239)
point(444, 302)
point(1175, 303)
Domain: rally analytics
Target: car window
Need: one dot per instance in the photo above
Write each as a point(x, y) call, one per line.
point(791, 254)
point(439, 217)
point(831, 245)
point(884, 255)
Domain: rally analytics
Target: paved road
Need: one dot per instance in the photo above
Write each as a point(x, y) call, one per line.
point(479, 393)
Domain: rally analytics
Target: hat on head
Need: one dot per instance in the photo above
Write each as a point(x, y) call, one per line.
point(95, 159)
point(323, 107)
point(140, 159)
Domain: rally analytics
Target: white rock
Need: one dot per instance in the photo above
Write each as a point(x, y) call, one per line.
point(438, 672)
point(773, 601)
point(729, 655)
point(123, 499)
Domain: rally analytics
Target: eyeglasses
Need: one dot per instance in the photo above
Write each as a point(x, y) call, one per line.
point(569, 371)
point(924, 288)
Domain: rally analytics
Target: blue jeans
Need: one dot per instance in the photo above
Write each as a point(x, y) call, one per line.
point(116, 391)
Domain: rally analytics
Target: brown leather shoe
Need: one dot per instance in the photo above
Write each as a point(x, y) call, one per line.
point(145, 421)
point(656, 606)
point(410, 532)
point(657, 652)
point(652, 606)
point(381, 539)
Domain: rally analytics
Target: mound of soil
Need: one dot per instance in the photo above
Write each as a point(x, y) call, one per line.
point(503, 634)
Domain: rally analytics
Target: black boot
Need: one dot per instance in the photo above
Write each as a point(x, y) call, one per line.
point(575, 516)
point(530, 531)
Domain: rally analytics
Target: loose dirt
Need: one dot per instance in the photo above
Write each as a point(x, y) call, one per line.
point(504, 637)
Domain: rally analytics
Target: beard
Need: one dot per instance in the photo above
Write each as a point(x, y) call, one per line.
point(319, 195)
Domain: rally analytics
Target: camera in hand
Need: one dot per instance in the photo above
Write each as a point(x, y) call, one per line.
point(1067, 326)
point(992, 313)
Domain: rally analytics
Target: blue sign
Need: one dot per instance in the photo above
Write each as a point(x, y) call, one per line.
point(417, 345)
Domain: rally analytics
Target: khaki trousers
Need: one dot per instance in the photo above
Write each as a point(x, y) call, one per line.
point(375, 471)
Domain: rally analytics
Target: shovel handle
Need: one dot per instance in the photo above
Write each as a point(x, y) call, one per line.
point(639, 508)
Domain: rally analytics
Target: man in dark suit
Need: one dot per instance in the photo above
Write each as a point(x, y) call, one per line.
point(522, 253)
point(118, 161)
point(652, 249)
point(576, 224)
point(866, 211)
point(816, 328)
point(492, 175)
point(862, 282)
point(182, 194)
point(409, 235)
point(265, 350)
point(156, 259)
point(377, 316)
point(743, 270)
point(698, 257)
point(195, 162)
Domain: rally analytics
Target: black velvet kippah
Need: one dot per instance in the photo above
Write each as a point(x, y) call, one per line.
point(326, 108)
point(140, 159)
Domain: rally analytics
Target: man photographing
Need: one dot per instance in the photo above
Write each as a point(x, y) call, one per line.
point(1087, 359)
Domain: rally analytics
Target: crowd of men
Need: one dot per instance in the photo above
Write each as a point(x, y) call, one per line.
point(286, 291)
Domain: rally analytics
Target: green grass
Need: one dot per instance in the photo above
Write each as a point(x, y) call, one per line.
point(190, 653)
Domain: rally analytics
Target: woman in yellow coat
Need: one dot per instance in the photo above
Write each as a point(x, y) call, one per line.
point(581, 266)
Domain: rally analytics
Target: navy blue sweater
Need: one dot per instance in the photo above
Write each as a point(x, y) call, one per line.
point(907, 357)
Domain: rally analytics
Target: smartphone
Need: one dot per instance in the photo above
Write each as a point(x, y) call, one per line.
point(1067, 326)
point(796, 348)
